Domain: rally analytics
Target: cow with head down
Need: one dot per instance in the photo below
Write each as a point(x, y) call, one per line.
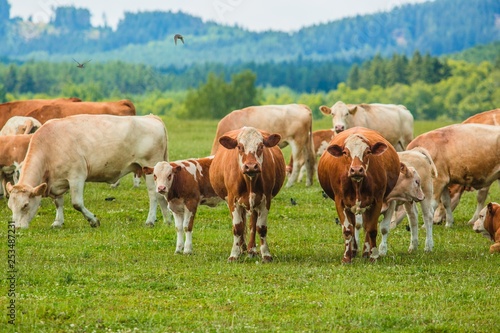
point(488, 224)
point(247, 171)
point(358, 171)
point(394, 122)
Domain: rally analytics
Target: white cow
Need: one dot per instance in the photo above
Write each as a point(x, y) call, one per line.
point(20, 125)
point(65, 153)
point(394, 122)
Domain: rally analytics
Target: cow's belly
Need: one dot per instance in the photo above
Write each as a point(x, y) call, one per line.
point(59, 187)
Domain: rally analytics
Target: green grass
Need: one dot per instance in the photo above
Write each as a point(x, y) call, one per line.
point(124, 277)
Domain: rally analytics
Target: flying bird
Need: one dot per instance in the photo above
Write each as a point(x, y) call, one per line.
point(178, 36)
point(81, 65)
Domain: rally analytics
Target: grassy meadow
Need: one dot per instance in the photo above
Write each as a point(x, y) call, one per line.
point(124, 277)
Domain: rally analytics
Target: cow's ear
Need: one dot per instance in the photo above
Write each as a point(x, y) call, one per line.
point(352, 109)
point(378, 148)
point(491, 208)
point(404, 169)
point(325, 110)
point(9, 187)
point(272, 140)
point(228, 142)
point(39, 190)
point(335, 150)
point(176, 169)
point(147, 170)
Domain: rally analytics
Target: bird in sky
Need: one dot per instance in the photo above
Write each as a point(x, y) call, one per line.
point(81, 65)
point(178, 36)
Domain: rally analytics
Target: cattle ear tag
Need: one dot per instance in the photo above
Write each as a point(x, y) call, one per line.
point(378, 148)
point(335, 150)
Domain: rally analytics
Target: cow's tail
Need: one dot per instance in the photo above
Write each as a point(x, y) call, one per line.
point(425, 152)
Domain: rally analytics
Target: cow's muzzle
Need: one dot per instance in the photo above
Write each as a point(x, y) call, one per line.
point(357, 173)
point(251, 169)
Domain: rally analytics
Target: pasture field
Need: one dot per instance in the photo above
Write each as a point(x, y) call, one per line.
point(124, 277)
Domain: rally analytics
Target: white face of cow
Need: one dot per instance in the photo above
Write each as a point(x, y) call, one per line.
point(479, 224)
point(163, 175)
point(24, 202)
point(250, 144)
point(408, 187)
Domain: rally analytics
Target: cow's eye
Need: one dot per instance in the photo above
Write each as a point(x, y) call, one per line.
point(169, 177)
point(241, 149)
point(154, 176)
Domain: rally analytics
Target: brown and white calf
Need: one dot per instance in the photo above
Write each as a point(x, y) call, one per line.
point(185, 184)
point(13, 150)
point(464, 154)
point(358, 171)
point(248, 170)
point(488, 224)
point(66, 153)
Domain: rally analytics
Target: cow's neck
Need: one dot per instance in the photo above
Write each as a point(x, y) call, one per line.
point(34, 172)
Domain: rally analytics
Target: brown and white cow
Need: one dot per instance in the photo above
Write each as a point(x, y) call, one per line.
point(20, 125)
point(13, 150)
point(358, 171)
point(65, 153)
point(248, 170)
point(394, 122)
point(464, 154)
point(185, 184)
point(293, 122)
point(23, 107)
point(419, 160)
point(321, 139)
point(488, 224)
point(123, 107)
point(491, 117)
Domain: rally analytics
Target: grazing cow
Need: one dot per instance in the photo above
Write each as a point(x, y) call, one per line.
point(473, 162)
point(123, 107)
point(22, 108)
point(321, 139)
point(394, 122)
point(491, 117)
point(488, 224)
point(13, 150)
point(20, 125)
point(420, 160)
point(185, 185)
point(65, 153)
point(293, 122)
point(358, 171)
point(248, 170)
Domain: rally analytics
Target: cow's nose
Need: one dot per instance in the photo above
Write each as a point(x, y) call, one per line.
point(251, 168)
point(339, 128)
point(162, 189)
point(357, 171)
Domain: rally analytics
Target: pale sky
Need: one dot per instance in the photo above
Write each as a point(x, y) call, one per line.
point(256, 15)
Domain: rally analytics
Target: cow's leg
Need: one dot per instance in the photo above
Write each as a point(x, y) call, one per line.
point(309, 162)
point(297, 164)
point(189, 215)
point(427, 215)
point(252, 247)
point(481, 199)
point(178, 213)
point(398, 216)
point(262, 230)
point(59, 221)
point(411, 210)
point(357, 229)
point(153, 202)
point(385, 226)
point(239, 224)
point(76, 190)
point(446, 200)
point(348, 234)
point(165, 212)
point(370, 218)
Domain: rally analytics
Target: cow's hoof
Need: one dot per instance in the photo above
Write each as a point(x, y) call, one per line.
point(252, 253)
point(56, 225)
point(232, 259)
point(95, 224)
point(346, 261)
point(267, 259)
point(150, 224)
point(178, 251)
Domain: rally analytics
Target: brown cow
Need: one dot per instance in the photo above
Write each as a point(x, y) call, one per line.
point(474, 162)
point(394, 122)
point(123, 107)
point(321, 139)
point(248, 170)
point(358, 171)
point(293, 122)
point(186, 185)
point(488, 224)
point(22, 108)
point(491, 117)
point(13, 150)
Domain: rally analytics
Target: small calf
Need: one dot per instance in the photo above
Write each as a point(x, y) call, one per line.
point(185, 185)
point(488, 224)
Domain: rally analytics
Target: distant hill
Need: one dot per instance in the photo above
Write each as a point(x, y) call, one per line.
point(489, 52)
point(435, 27)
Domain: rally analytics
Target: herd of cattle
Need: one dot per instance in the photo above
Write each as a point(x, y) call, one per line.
point(369, 164)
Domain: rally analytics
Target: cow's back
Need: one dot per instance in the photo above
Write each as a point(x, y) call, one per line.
point(13, 148)
point(491, 117)
point(287, 120)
